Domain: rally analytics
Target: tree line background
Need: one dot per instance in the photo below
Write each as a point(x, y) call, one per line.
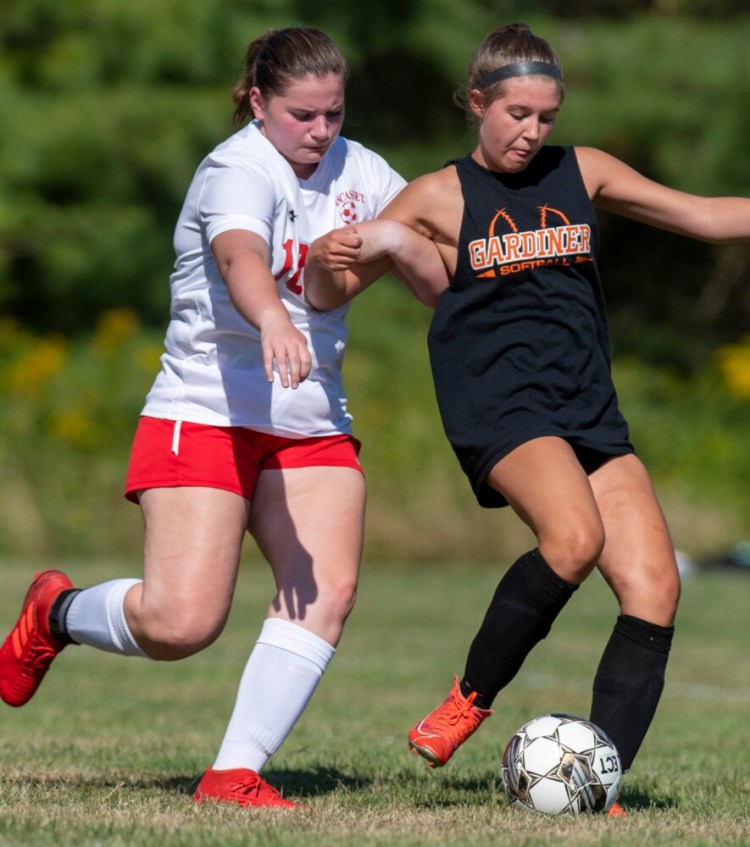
point(107, 108)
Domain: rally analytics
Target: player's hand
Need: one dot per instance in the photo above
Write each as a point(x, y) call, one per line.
point(337, 250)
point(285, 345)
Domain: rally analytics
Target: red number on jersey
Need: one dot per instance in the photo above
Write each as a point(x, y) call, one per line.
point(293, 283)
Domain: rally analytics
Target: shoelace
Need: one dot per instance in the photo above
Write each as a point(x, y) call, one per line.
point(40, 654)
point(253, 785)
point(449, 717)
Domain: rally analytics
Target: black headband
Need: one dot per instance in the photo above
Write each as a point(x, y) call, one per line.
point(519, 69)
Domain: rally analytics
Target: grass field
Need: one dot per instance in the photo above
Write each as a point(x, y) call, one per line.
point(110, 749)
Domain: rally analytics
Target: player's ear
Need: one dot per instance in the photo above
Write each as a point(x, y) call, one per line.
point(255, 99)
point(477, 102)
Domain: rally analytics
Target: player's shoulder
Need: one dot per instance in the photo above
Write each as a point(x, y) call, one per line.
point(430, 201)
point(243, 159)
point(248, 146)
point(598, 168)
point(593, 157)
point(436, 185)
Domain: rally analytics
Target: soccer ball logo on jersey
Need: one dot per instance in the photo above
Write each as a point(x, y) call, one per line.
point(350, 206)
point(508, 250)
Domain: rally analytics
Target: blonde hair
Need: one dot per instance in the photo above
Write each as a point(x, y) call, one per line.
point(511, 44)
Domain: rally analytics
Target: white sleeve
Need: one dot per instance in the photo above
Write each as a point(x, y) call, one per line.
point(389, 182)
point(237, 198)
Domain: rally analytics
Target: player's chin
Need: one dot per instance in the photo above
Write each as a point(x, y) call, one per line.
point(313, 155)
point(516, 164)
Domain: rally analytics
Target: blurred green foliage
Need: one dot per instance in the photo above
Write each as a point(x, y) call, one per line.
point(107, 108)
point(68, 410)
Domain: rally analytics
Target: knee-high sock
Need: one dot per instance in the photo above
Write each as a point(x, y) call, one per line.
point(527, 600)
point(629, 682)
point(280, 677)
point(96, 616)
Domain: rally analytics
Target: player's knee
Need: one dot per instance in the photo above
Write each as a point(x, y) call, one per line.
point(340, 598)
point(179, 635)
point(647, 591)
point(574, 552)
point(671, 592)
point(663, 595)
point(335, 604)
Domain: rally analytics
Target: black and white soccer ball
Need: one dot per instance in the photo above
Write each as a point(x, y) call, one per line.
point(561, 764)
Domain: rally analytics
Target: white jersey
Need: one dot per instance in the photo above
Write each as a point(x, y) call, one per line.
point(212, 370)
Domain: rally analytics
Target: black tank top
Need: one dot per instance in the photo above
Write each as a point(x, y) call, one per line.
point(518, 343)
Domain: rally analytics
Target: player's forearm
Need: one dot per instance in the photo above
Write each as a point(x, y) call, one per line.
point(253, 291)
point(243, 259)
point(326, 289)
point(419, 266)
point(384, 244)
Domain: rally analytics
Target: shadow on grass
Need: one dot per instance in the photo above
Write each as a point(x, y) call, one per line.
point(638, 801)
point(298, 783)
point(318, 782)
point(310, 783)
point(455, 791)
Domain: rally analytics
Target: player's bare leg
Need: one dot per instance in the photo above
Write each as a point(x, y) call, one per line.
point(638, 560)
point(193, 538)
point(309, 524)
point(176, 610)
point(548, 489)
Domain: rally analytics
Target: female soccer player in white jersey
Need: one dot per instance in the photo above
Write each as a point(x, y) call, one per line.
point(246, 426)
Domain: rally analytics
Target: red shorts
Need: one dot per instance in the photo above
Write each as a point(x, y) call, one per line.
point(167, 454)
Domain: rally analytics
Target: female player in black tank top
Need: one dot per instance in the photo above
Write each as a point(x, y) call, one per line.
point(520, 358)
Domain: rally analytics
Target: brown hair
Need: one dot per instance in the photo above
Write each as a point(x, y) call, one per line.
point(507, 45)
point(280, 56)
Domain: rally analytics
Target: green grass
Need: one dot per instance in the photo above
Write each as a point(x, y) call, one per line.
point(109, 750)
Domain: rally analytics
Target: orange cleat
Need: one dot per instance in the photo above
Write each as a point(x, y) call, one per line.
point(444, 730)
point(239, 785)
point(616, 811)
point(30, 647)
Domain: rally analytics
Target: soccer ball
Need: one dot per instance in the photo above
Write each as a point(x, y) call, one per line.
point(559, 763)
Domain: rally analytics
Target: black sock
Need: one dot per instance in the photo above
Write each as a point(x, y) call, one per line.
point(59, 612)
point(629, 683)
point(528, 599)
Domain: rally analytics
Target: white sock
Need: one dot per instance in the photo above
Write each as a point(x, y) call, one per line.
point(96, 616)
point(280, 677)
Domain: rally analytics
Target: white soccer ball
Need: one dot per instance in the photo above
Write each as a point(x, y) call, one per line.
point(559, 763)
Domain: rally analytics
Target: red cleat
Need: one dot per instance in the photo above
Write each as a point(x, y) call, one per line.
point(239, 785)
point(444, 730)
point(30, 647)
